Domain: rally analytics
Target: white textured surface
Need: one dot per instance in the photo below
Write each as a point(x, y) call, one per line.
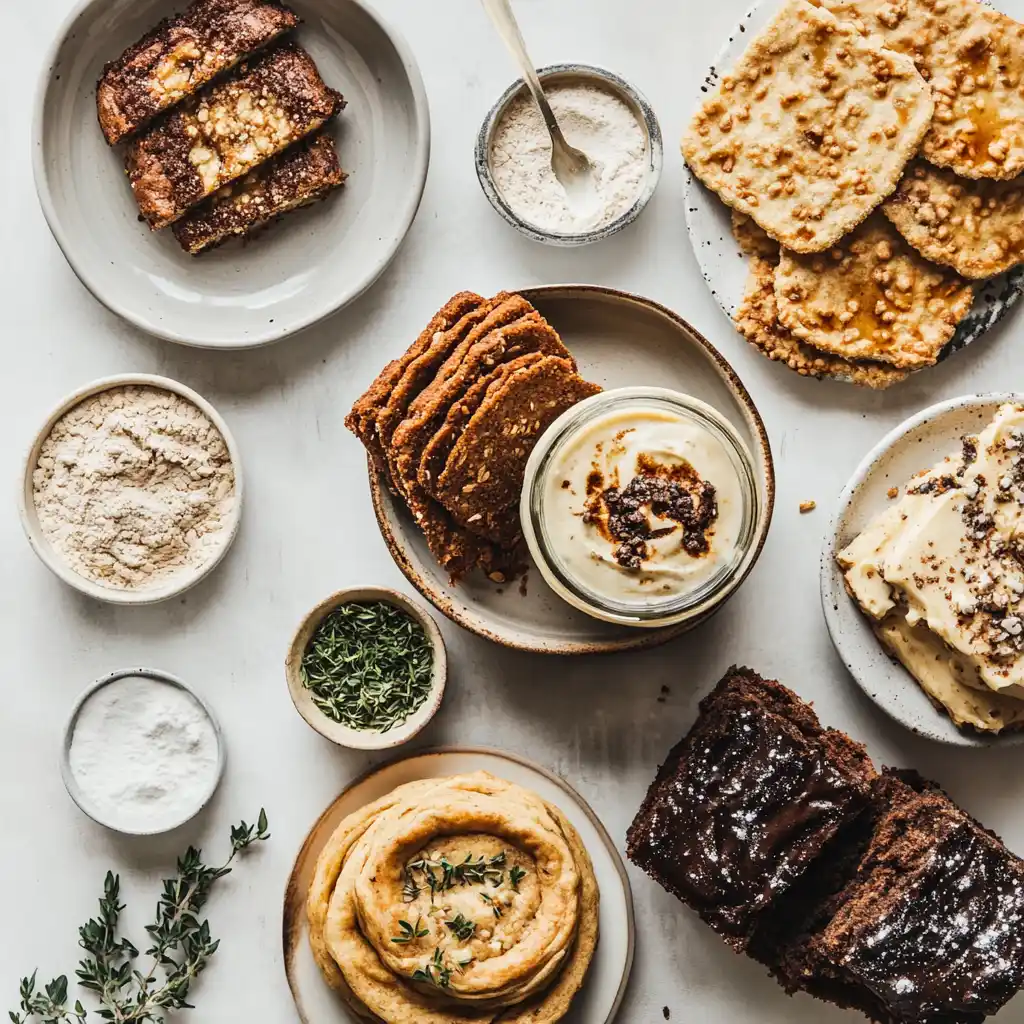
point(308, 529)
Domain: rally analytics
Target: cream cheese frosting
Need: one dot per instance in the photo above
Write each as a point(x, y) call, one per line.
point(948, 559)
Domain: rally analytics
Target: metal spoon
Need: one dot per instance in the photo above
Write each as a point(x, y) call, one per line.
point(572, 167)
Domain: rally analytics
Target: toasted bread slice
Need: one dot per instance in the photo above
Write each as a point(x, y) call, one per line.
point(298, 177)
point(180, 56)
point(226, 131)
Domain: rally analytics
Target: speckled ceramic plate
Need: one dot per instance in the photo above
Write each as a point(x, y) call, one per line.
point(618, 340)
point(599, 999)
point(724, 267)
point(312, 263)
point(914, 445)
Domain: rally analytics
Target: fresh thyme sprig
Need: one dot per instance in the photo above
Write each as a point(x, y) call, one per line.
point(410, 931)
point(435, 971)
point(368, 666)
point(181, 948)
point(515, 876)
point(440, 874)
point(461, 927)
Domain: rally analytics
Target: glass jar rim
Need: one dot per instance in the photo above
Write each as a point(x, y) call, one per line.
point(680, 607)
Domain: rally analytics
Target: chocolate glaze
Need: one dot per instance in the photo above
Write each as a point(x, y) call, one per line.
point(742, 816)
point(953, 941)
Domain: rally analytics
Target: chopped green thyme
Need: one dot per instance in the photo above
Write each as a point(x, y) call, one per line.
point(494, 906)
point(410, 932)
point(440, 874)
point(368, 666)
point(461, 927)
point(515, 876)
point(434, 972)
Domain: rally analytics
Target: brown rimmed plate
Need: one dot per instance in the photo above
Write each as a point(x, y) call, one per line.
point(599, 999)
point(619, 340)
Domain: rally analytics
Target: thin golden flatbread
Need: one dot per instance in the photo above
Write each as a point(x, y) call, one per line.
point(756, 320)
point(752, 239)
point(973, 57)
point(811, 129)
point(974, 225)
point(872, 297)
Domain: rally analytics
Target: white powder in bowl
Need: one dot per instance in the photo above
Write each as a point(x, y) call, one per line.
point(593, 120)
point(144, 754)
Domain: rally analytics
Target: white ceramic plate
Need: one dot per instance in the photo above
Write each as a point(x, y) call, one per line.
point(618, 340)
point(598, 1000)
point(309, 265)
point(723, 265)
point(914, 445)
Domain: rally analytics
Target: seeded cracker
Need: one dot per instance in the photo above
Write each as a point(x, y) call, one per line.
point(973, 57)
point(483, 479)
point(975, 226)
point(811, 130)
point(872, 297)
point(756, 320)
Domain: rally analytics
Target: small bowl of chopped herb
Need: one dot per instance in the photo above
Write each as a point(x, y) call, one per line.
point(367, 668)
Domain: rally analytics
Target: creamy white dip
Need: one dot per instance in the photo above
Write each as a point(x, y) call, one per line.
point(653, 445)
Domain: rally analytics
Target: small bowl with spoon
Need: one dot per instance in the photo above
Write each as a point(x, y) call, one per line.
point(586, 196)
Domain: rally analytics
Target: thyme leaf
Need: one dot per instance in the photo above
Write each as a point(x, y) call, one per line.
point(461, 927)
point(368, 666)
point(410, 931)
point(181, 947)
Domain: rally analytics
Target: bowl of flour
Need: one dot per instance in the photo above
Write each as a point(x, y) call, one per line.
point(599, 113)
point(142, 752)
point(132, 489)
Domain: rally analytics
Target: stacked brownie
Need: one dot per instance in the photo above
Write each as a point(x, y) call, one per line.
point(871, 891)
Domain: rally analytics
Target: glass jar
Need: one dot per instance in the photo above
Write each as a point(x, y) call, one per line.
point(554, 549)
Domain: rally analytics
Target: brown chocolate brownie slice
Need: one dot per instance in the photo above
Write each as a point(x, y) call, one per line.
point(746, 802)
point(931, 926)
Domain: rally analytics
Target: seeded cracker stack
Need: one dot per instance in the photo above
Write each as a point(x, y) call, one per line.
point(220, 134)
point(449, 425)
point(817, 126)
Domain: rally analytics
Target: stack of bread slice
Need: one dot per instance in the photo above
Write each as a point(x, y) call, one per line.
point(450, 425)
point(224, 123)
point(868, 151)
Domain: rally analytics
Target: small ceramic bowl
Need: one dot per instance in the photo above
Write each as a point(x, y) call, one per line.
point(182, 581)
point(359, 739)
point(562, 74)
point(82, 801)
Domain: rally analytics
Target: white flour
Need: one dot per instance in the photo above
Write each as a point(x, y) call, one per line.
point(593, 120)
point(134, 486)
point(143, 754)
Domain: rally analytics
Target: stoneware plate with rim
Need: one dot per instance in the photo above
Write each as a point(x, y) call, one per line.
point(292, 275)
point(725, 268)
point(180, 582)
point(599, 999)
point(344, 736)
point(618, 340)
point(82, 802)
point(915, 445)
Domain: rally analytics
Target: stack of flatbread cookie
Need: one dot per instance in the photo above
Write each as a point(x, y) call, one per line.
point(869, 150)
point(451, 423)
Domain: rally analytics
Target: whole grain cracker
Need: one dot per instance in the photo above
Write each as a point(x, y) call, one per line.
point(756, 320)
point(974, 225)
point(973, 57)
point(872, 297)
point(483, 479)
point(811, 129)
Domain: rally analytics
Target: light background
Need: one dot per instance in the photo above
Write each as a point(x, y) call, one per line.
point(309, 529)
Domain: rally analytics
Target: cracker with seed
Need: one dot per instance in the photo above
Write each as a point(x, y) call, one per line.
point(483, 478)
point(362, 418)
point(872, 297)
point(752, 239)
point(756, 320)
point(974, 225)
point(973, 57)
point(811, 129)
point(435, 455)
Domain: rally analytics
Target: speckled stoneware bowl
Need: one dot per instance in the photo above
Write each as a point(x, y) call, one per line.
point(180, 582)
point(916, 444)
point(82, 801)
point(562, 74)
point(619, 340)
point(360, 739)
